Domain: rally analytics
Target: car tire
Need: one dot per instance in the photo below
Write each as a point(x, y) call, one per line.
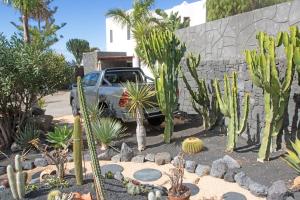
point(156, 121)
point(75, 110)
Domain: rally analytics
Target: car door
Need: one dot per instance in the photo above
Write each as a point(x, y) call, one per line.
point(91, 88)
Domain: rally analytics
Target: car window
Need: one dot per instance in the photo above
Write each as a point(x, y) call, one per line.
point(116, 77)
point(91, 79)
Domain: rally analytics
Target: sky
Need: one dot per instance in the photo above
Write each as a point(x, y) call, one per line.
point(85, 19)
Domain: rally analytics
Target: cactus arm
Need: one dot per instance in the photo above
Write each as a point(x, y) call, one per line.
point(77, 150)
point(18, 163)
point(91, 143)
point(223, 106)
point(243, 122)
point(20, 182)
point(12, 181)
point(289, 70)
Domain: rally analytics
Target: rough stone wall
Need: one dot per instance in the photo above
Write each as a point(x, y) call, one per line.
point(221, 44)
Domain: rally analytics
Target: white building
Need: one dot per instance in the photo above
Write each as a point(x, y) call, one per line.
point(119, 38)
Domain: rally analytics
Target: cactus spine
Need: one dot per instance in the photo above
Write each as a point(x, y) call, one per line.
point(162, 52)
point(91, 143)
point(192, 145)
point(264, 74)
point(77, 150)
point(17, 179)
point(203, 101)
point(229, 105)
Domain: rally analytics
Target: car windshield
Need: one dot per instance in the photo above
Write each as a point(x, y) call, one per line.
point(117, 77)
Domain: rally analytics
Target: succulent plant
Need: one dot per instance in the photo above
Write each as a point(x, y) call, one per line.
point(53, 194)
point(109, 175)
point(293, 155)
point(77, 150)
point(192, 145)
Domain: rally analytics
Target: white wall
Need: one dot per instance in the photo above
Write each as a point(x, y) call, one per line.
point(196, 11)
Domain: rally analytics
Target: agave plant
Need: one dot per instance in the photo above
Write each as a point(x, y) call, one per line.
point(139, 98)
point(28, 136)
point(106, 130)
point(293, 156)
point(60, 137)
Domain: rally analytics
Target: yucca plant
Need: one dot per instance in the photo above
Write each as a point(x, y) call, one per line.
point(293, 156)
point(27, 136)
point(106, 130)
point(60, 138)
point(139, 98)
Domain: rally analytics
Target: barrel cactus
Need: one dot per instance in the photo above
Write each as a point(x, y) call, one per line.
point(192, 145)
point(52, 195)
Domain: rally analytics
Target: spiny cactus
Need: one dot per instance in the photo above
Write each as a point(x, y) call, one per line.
point(203, 101)
point(91, 144)
point(17, 179)
point(229, 105)
point(53, 194)
point(77, 150)
point(162, 51)
point(192, 145)
point(57, 195)
point(133, 188)
point(276, 89)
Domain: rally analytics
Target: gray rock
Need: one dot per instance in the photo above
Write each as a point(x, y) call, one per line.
point(231, 163)
point(116, 158)
point(126, 153)
point(296, 195)
point(162, 158)
point(114, 168)
point(229, 176)
point(40, 162)
point(190, 166)
point(15, 147)
point(233, 196)
point(106, 155)
point(202, 170)
point(118, 176)
point(218, 168)
point(27, 165)
point(35, 181)
point(150, 157)
point(289, 198)
point(243, 180)
point(277, 191)
point(258, 189)
point(2, 170)
point(138, 159)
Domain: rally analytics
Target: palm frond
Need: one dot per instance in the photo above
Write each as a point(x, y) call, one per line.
point(120, 16)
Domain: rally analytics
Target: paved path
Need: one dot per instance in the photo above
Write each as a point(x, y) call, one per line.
point(58, 104)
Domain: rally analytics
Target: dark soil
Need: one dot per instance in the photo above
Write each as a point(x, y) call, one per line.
point(114, 190)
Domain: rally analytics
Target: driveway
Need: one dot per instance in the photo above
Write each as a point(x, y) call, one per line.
point(58, 104)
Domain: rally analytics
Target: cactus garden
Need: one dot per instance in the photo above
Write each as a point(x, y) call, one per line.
point(193, 111)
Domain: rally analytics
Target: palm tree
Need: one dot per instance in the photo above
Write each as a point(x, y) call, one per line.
point(77, 47)
point(25, 7)
point(139, 98)
point(43, 12)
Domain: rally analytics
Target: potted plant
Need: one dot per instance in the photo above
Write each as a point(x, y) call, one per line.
point(178, 191)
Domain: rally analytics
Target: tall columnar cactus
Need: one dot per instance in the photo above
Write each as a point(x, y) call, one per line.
point(203, 101)
point(229, 105)
point(17, 179)
point(162, 52)
point(98, 179)
point(276, 89)
point(77, 150)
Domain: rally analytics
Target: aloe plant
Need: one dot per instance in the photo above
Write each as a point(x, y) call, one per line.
point(60, 137)
point(293, 155)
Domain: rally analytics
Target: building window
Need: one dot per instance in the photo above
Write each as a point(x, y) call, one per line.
point(128, 32)
point(111, 36)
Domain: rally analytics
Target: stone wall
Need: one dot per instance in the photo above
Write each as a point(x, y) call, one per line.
point(221, 44)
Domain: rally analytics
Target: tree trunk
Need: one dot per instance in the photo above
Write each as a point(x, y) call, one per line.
point(25, 28)
point(140, 130)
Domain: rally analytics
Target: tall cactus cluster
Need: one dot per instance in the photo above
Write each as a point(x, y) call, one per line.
point(162, 51)
point(229, 105)
point(98, 179)
point(276, 89)
point(77, 150)
point(203, 101)
point(17, 179)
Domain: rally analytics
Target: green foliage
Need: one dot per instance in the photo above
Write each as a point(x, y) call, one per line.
point(77, 150)
point(276, 88)
point(293, 156)
point(91, 143)
point(27, 136)
point(31, 188)
point(77, 47)
point(217, 9)
point(107, 129)
point(56, 183)
point(192, 145)
point(60, 138)
point(229, 105)
point(203, 100)
point(17, 179)
point(162, 52)
point(134, 187)
point(109, 175)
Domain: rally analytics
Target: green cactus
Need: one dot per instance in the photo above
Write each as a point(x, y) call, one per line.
point(133, 189)
point(17, 179)
point(192, 145)
point(264, 74)
point(52, 195)
point(77, 150)
point(162, 52)
point(229, 105)
point(91, 144)
point(203, 101)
